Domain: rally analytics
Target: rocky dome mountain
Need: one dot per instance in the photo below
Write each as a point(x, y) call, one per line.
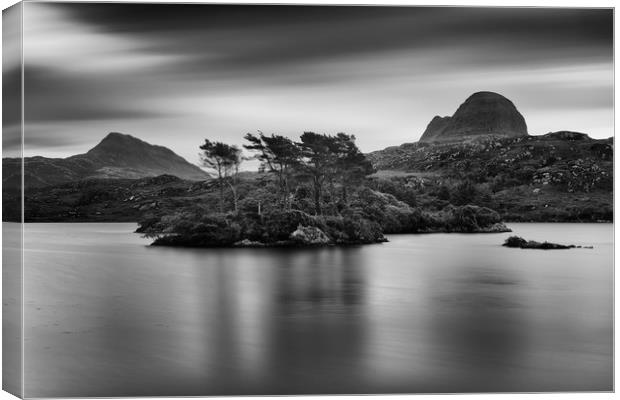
point(483, 155)
point(482, 114)
point(116, 156)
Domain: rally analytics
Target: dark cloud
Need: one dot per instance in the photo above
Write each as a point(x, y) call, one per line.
point(154, 18)
point(557, 23)
point(218, 41)
point(248, 37)
point(11, 99)
point(39, 139)
point(52, 96)
point(223, 70)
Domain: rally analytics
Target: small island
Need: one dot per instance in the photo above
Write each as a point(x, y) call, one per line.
point(519, 242)
point(309, 193)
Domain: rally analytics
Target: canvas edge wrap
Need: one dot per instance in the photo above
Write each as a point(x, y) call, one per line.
point(12, 238)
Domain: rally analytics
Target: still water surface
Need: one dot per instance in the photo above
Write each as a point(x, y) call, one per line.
point(106, 315)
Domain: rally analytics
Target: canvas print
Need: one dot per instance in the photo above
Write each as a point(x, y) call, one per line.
point(213, 200)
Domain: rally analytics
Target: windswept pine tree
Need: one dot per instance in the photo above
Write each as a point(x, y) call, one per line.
point(319, 156)
point(351, 164)
point(224, 160)
point(278, 155)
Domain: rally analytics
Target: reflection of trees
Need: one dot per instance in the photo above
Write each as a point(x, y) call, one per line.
point(325, 279)
point(319, 328)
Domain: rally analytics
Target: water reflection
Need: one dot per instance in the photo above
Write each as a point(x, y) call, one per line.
point(108, 316)
point(318, 322)
point(478, 322)
point(325, 280)
point(12, 333)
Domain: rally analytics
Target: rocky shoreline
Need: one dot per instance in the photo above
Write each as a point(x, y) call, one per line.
point(305, 236)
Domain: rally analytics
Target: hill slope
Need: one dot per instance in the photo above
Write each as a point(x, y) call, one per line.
point(490, 156)
point(116, 156)
point(560, 176)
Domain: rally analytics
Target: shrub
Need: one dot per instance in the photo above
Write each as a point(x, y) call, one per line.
point(515, 241)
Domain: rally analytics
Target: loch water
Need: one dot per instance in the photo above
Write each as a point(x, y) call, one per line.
point(107, 315)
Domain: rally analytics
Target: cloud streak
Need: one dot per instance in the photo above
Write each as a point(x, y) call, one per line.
point(175, 74)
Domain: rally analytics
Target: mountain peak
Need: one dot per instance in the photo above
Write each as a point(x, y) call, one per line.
point(117, 137)
point(486, 95)
point(136, 158)
point(121, 145)
point(482, 113)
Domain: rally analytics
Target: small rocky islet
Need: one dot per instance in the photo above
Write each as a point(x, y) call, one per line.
point(519, 242)
point(364, 222)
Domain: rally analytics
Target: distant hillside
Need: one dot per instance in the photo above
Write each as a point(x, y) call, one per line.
point(492, 156)
point(116, 156)
point(480, 156)
point(483, 113)
point(483, 155)
point(560, 176)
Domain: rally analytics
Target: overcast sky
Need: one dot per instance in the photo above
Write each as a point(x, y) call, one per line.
point(176, 74)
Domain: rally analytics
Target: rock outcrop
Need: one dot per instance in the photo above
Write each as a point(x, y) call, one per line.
point(435, 128)
point(566, 135)
point(310, 235)
point(483, 113)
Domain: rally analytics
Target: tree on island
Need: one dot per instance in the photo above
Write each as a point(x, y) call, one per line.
point(278, 155)
point(332, 159)
point(325, 162)
point(351, 163)
point(224, 160)
point(318, 162)
point(333, 202)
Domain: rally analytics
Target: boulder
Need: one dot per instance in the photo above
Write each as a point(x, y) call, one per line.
point(498, 227)
point(248, 243)
point(310, 235)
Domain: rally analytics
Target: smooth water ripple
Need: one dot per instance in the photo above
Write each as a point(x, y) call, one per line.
point(106, 315)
